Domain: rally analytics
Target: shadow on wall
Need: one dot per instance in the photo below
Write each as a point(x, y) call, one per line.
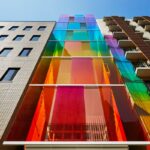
point(2, 147)
point(139, 147)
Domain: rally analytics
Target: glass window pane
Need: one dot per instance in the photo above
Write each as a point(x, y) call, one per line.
point(95, 35)
point(41, 28)
point(53, 48)
point(18, 38)
point(13, 28)
point(35, 38)
point(58, 35)
point(25, 52)
point(77, 35)
point(10, 74)
point(71, 19)
point(90, 18)
point(92, 26)
point(86, 48)
point(27, 28)
point(5, 52)
point(3, 37)
point(1, 27)
point(73, 25)
point(63, 18)
point(61, 26)
point(79, 18)
point(83, 26)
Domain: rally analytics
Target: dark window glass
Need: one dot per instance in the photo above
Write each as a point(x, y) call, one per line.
point(18, 38)
point(5, 51)
point(3, 37)
point(71, 19)
point(1, 27)
point(83, 25)
point(13, 28)
point(9, 74)
point(35, 38)
point(27, 28)
point(41, 28)
point(25, 52)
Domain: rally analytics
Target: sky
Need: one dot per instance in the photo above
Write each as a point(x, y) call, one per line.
point(50, 10)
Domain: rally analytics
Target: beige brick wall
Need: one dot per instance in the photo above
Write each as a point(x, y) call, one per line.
point(10, 92)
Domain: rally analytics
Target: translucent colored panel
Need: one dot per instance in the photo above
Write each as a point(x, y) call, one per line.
point(71, 19)
point(97, 114)
point(77, 35)
point(101, 47)
point(77, 71)
point(84, 114)
point(85, 48)
point(76, 48)
point(49, 74)
point(73, 25)
point(63, 18)
point(34, 110)
point(92, 26)
point(61, 26)
point(83, 26)
point(90, 18)
point(80, 35)
point(79, 18)
point(53, 48)
point(58, 35)
point(95, 35)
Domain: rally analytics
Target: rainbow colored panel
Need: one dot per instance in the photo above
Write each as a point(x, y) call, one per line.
point(83, 89)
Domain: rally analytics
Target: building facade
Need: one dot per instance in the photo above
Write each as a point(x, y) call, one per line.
point(79, 80)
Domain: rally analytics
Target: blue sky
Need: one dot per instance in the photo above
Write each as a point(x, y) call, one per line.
point(20, 10)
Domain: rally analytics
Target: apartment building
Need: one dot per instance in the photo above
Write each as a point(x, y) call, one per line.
point(77, 83)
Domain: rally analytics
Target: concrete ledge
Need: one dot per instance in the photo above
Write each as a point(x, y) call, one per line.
point(76, 147)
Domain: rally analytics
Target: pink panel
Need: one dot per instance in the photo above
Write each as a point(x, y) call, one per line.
point(69, 106)
point(82, 71)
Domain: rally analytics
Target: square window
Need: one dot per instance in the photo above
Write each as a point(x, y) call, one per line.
point(71, 19)
point(35, 38)
point(9, 74)
point(5, 52)
point(83, 26)
point(1, 27)
point(13, 28)
point(25, 52)
point(18, 38)
point(27, 28)
point(41, 28)
point(3, 37)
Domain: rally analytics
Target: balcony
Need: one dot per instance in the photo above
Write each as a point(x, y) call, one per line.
point(143, 23)
point(136, 19)
point(107, 19)
point(134, 55)
point(120, 36)
point(114, 28)
point(139, 33)
point(126, 44)
point(143, 70)
point(147, 28)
